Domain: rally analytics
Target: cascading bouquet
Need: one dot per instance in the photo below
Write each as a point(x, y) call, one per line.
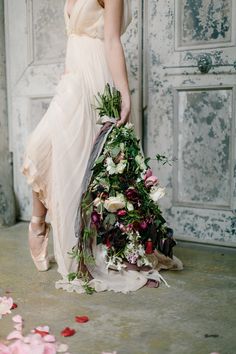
point(120, 205)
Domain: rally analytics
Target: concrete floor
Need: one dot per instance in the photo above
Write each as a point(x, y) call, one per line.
point(196, 315)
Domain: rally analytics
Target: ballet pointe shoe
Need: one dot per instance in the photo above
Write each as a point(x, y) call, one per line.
point(38, 243)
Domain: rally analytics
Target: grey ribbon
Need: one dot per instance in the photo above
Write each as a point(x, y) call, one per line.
point(95, 153)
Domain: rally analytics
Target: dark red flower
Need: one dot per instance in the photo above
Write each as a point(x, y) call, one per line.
point(81, 319)
point(42, 333)
point(67, 332)
point(149, 247)
point(132, 194)
point(143, 225)
point(121, 212)
point(104, 195)
point(95, 217)
point(14, 306)
point(108, 243)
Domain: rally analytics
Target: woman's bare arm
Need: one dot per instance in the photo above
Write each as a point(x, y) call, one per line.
point(115, 54)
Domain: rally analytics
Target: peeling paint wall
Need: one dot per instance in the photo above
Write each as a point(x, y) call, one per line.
point(7, 203)
point(191, 116)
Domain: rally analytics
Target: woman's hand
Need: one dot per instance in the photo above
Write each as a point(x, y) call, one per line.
point(125, 110)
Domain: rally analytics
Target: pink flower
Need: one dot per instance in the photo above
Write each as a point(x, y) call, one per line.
point(96, 218)
point(148, 174)
point(143, 225)
point(151, 181)
point(122, 228)
point(121, 212)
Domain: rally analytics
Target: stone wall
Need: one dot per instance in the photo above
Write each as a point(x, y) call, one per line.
point(7, 203)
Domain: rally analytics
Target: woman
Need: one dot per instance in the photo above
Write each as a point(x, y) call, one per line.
point(59, 147)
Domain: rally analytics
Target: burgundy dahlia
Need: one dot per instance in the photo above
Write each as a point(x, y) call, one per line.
point(96, 218)
point(132, 194)
point(143, 225)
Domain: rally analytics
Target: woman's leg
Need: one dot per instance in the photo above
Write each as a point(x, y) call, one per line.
point(39, 210)
point(38, 235)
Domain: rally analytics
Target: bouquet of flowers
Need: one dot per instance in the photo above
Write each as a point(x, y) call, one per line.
point(120, 206)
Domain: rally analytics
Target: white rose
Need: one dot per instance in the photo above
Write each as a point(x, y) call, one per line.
point(130, 206)
point(156, 193)
point(121, 166)
point(97, 202)
point(129, 125)
point(111, 167)
point(122, 146)
point(140, 161)
point(112, 204)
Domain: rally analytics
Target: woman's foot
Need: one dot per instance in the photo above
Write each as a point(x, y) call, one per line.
point(38, 242)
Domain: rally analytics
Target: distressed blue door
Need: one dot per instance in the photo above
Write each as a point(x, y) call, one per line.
point(189, 106)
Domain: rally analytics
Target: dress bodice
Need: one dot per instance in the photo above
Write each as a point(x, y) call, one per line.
point(87, 18)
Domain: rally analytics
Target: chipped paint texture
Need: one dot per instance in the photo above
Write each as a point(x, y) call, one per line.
point(205, 20)
point(47, 18)
point(203, 146)
point(191, 118)
point(7, 203)
point(130, 42)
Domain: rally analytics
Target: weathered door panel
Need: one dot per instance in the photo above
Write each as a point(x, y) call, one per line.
point(190, 115)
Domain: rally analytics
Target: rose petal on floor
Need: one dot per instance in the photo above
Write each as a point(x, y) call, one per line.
point(49, 338)
point(62, 348)
point(14, 306)
point(5, 305)
point(67, 332)
point(17, 319)
point(14, 335)
point(81, 319)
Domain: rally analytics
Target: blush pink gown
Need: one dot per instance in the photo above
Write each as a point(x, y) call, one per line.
point(58, 149)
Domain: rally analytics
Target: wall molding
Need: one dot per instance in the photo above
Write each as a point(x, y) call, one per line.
point(176, 202)
point(202, 45)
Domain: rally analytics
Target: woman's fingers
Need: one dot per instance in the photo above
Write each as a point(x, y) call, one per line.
point(124, 116)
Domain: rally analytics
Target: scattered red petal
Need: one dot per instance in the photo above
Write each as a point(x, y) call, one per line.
point(67, 332)
point(81, 319)
point(42, 333)
point(14, 306)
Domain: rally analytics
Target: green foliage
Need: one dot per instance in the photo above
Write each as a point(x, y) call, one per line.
point(72, 276)
point(109, 103)
point(163, 159)
point(120, 166)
